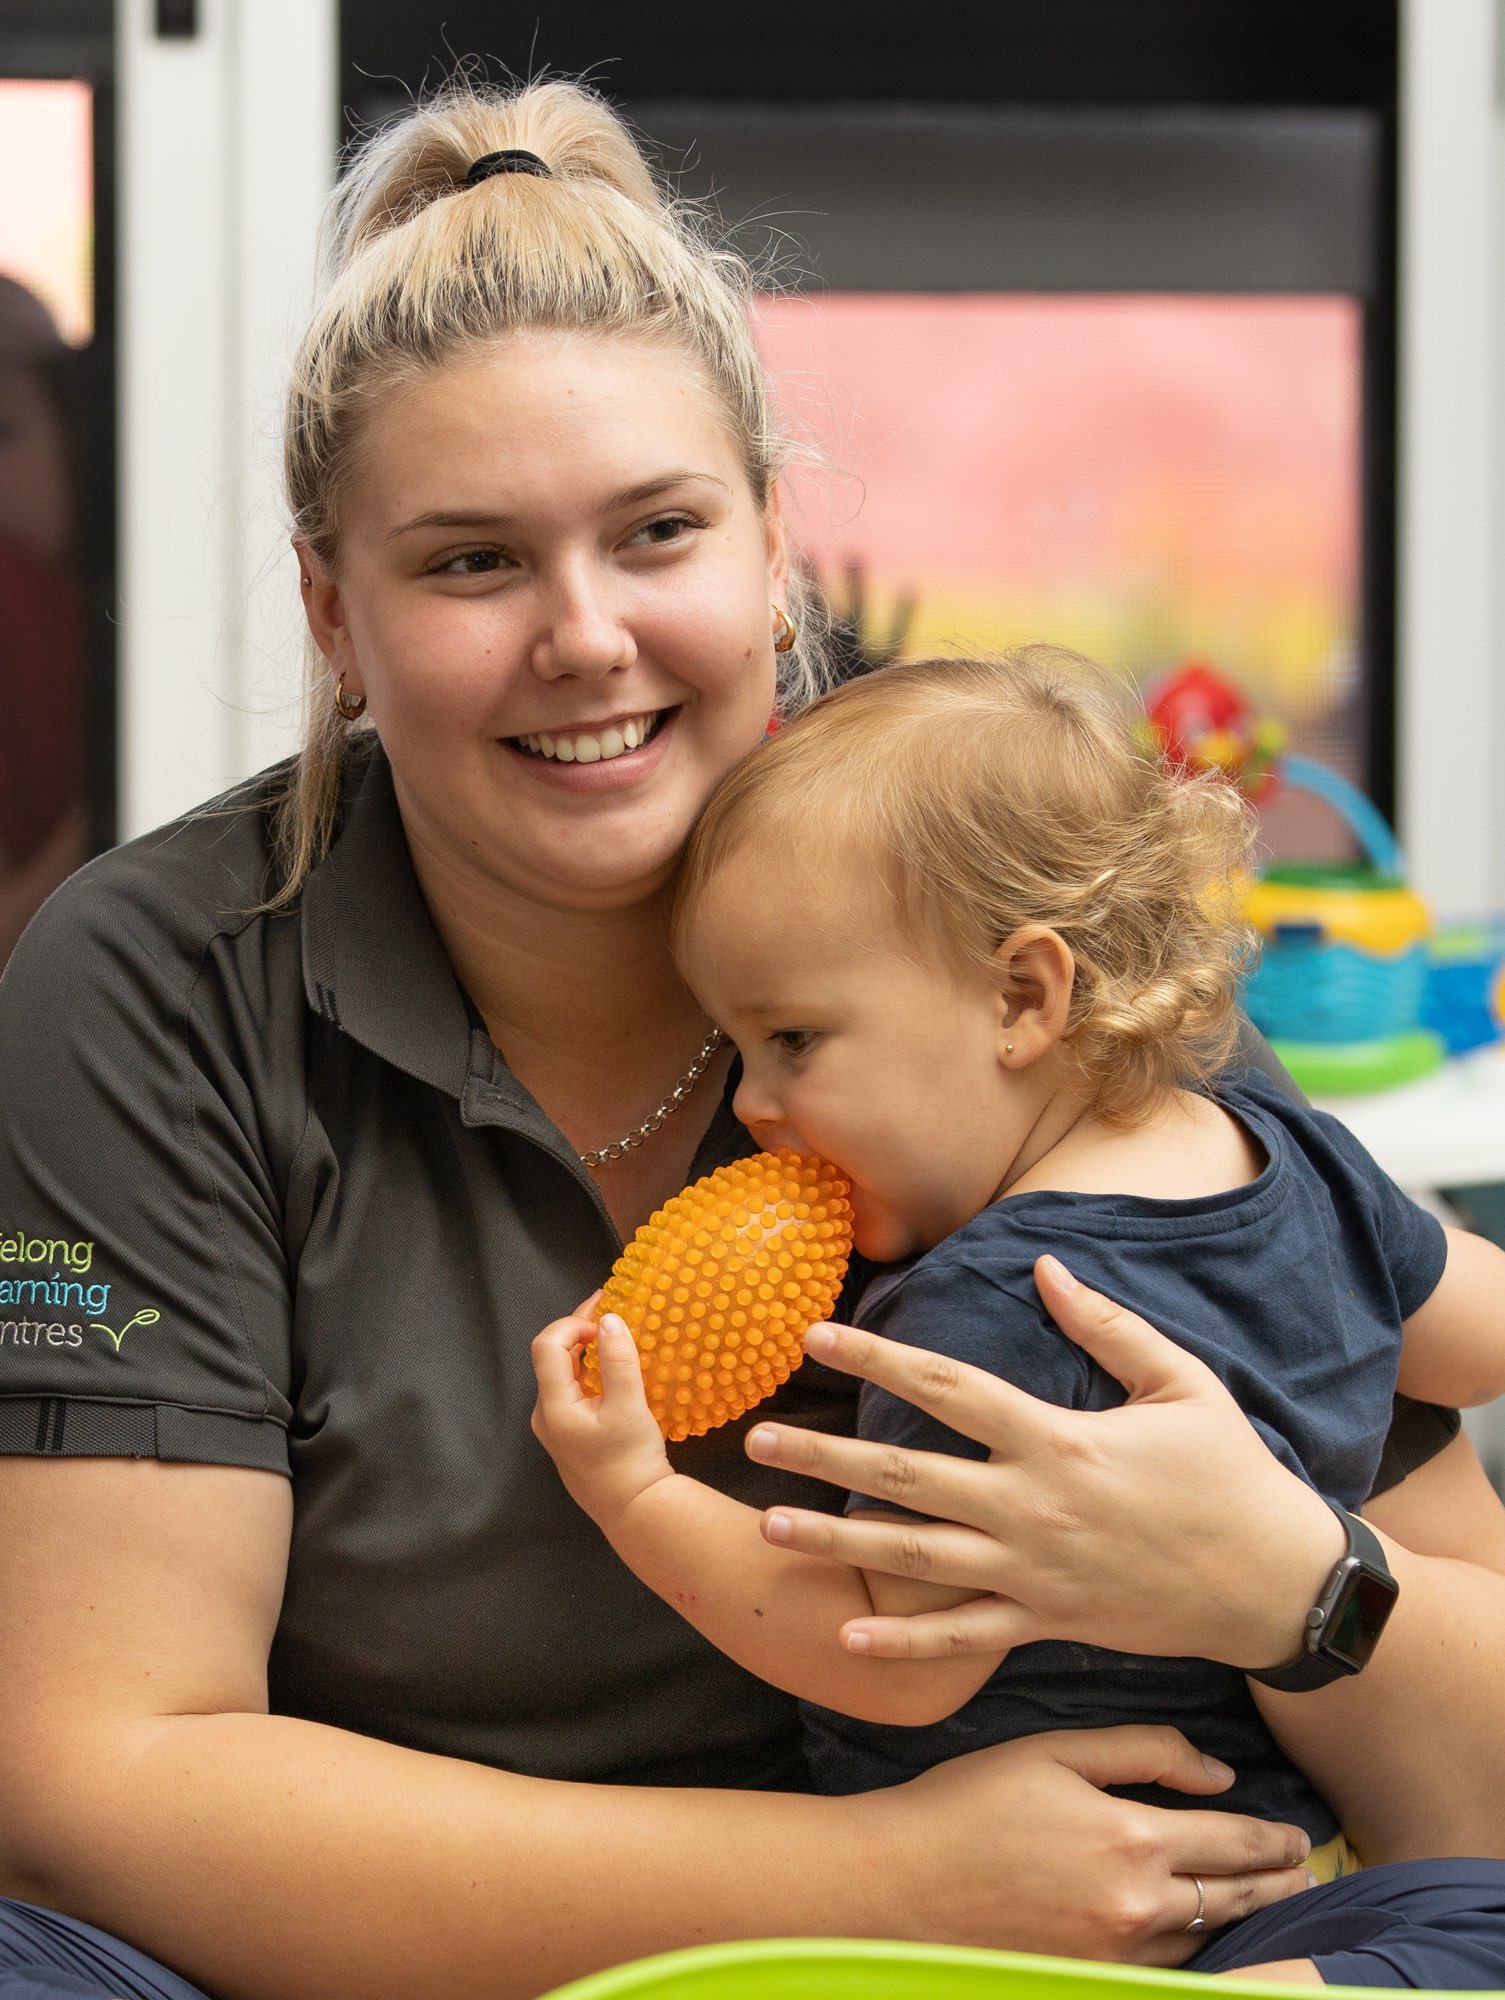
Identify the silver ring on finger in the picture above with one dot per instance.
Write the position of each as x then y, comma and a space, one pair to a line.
1199, 1921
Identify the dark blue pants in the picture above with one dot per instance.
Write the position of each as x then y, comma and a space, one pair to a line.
1438, 1924
43, 1956
1410, 1923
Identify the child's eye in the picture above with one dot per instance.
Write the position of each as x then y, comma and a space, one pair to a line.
659, 534
794, 1041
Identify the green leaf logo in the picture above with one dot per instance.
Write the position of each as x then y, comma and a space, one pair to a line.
147, 1317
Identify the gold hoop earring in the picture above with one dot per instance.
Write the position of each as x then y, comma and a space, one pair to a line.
785, 632
352, 707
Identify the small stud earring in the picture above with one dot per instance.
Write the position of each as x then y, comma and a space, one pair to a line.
307, 582
1008, 1048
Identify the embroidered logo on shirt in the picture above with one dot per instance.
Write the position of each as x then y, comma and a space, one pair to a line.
68, 1282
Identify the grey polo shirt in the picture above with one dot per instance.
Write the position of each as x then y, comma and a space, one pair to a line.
270, 1198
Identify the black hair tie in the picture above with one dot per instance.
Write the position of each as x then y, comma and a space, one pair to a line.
513, 161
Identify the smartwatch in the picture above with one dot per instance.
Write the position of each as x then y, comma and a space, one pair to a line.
1343, 1627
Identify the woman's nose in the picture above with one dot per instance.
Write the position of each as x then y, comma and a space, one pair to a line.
584, 632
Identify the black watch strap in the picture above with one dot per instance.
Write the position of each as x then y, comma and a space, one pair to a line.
1344, 1625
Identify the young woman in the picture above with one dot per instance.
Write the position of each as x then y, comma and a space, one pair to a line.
315, 1107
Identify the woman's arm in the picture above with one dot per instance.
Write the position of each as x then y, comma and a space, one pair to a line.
1412, 1751
777, 1614
145, 1788
1164, 1526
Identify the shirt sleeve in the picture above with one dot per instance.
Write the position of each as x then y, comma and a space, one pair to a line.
1412, 1241
973, 1310
144, 1291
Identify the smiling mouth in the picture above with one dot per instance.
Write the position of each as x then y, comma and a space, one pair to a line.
592, 746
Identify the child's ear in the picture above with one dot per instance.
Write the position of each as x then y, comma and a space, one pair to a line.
1033, 971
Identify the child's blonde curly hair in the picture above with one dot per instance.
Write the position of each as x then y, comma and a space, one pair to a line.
1002, 791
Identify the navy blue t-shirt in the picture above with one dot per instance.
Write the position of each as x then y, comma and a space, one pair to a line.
1291, 1288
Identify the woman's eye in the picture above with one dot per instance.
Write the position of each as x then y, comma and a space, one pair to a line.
661, 533
469, 562
794, 1041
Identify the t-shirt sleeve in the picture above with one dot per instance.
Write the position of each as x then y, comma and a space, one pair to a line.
984, 1312
1413, 1242
144, 1292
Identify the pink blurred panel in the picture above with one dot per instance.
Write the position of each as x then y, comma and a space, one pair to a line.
47, 217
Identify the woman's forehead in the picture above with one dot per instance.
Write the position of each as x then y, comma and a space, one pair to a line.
546, 410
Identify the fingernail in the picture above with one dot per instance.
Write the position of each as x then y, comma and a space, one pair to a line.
1219, 1771
778, 1528
1060, 1274
1306, 1847
819, 1339
1311, 1880
760, 1442
859, 1642
614, 1323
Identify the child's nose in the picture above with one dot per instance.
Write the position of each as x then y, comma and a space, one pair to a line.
759, 1110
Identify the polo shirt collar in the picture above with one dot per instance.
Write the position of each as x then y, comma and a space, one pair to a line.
372, 961
373, 966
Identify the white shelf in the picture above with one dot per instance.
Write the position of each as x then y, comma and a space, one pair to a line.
1446, 1131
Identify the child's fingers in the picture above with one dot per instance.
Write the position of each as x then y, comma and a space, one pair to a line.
587, 1307
617, 1353
554, 1352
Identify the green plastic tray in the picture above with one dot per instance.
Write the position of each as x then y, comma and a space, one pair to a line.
846, 1969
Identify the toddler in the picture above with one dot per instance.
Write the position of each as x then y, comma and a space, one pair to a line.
980, 951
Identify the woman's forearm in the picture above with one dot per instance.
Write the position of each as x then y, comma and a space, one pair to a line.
273, 1859
1411, 1752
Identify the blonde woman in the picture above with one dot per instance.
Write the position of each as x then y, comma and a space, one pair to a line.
315, 1107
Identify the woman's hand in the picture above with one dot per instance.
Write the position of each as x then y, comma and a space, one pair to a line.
607, 1448
1049, 1862
1164, 1526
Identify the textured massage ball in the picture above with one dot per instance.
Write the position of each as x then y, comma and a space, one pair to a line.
719, 1286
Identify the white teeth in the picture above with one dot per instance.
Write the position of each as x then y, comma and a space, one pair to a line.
586, 749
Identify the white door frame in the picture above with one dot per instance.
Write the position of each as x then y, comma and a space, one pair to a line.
227, 149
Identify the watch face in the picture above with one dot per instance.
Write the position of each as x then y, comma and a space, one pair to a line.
1358, 1617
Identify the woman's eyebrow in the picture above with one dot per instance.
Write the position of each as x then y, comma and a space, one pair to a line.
612, 503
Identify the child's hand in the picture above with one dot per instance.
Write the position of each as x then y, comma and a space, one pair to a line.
607, 1448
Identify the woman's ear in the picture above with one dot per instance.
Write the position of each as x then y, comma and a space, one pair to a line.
1033, 971
776, 542
320, 596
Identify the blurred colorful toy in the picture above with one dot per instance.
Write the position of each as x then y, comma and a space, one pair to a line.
1204, 723
721, 1284
1339, 986
1464, 997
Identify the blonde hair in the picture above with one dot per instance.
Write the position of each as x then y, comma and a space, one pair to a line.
992, 793
421, 268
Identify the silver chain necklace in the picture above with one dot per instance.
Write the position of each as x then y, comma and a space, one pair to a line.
605, 1154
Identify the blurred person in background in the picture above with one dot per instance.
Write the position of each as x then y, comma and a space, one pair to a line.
43, 810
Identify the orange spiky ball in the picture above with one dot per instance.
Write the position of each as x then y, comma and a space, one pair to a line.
720, 1285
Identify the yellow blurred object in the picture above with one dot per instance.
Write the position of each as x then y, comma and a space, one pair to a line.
1382, 921
720, 1285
